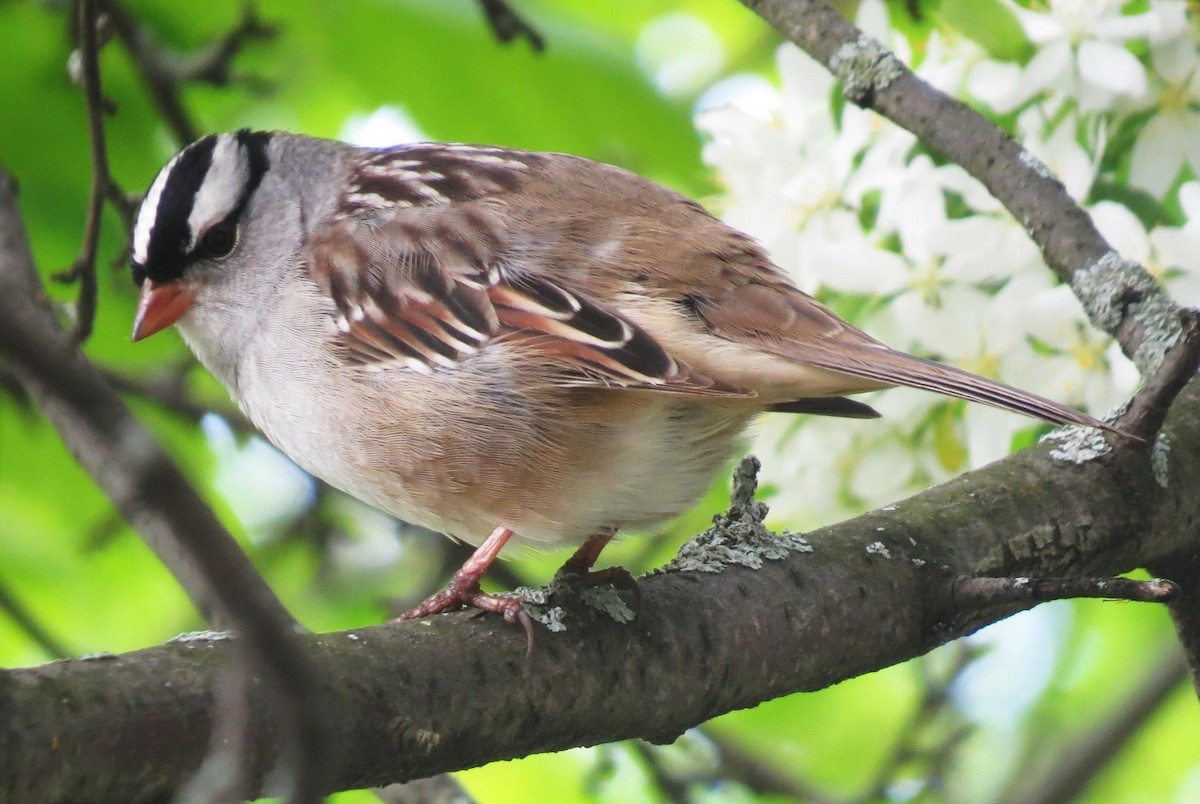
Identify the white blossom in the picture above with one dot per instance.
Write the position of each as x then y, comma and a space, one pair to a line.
1081, 54
858, 212
1171, 137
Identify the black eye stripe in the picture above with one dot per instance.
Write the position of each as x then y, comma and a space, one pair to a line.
167, 254
255, 145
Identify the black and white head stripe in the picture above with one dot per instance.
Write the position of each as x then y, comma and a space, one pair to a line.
206, 184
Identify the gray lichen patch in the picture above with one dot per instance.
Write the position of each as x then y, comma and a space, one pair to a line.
878, 549
202, 636
539, 605
608, 601
1077, 444
536, 603
1039, 167
738, 536
1113, 289
865, 67
1160, 460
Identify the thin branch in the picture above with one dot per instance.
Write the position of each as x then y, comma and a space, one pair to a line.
170, 393
507, 24
935, 696
1069, 773
739, 765
165, 73
24, 620
1149, 407
974, 593
83, 270
670, 785
212, 64
440, 789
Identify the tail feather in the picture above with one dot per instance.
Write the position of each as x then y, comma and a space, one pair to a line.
897, 368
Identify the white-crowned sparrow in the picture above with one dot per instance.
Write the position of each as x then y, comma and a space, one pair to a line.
490, 341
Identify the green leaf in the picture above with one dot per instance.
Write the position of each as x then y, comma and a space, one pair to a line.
991, 24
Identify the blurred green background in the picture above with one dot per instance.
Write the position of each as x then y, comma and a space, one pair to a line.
612, 85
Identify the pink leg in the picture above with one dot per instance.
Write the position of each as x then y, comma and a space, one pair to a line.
463, 590
579, 566
586, 556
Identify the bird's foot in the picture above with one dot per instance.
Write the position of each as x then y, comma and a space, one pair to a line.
463, 592
577, 573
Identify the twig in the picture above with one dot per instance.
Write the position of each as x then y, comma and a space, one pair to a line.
24, 619
672, 787
741, 766
12, 388
975, 593
1149, 407
1069, 774
171, 395
165, 73
907, 746
507, 24
440, 789
83, 270
211, 65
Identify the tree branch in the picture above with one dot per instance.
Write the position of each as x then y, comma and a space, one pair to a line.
154, 496
1184, 568
24, 619
164, 73
83, 270
981, 592
1071, 771
507, 24
872, 592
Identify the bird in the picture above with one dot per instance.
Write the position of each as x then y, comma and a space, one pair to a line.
496, 344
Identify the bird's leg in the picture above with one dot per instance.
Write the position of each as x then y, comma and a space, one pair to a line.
577, 571
463, 590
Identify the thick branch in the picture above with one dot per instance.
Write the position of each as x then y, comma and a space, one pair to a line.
872, 592
1184, 568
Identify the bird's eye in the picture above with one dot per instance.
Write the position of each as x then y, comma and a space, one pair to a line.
219, 241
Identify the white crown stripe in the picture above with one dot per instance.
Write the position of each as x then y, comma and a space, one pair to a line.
148, 212
222, 187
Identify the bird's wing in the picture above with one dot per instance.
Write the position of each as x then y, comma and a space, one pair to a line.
424, 289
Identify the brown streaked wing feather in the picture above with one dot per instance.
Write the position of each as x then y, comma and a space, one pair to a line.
420, 288
780, 319
604, 345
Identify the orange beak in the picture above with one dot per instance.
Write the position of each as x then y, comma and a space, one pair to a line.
160, 306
